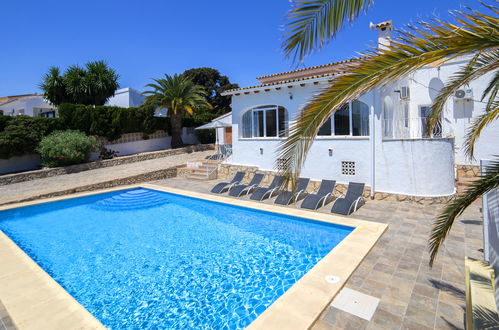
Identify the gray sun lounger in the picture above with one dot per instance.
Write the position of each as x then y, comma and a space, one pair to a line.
268, 192
352, 201
323, 196
287, 197
222, 187
243, 189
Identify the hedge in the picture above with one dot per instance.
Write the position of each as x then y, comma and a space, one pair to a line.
110, 122
21, 135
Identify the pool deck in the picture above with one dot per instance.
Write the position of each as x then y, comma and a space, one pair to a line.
412, 296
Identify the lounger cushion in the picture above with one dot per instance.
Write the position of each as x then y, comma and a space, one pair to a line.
259, 193
342, 206
237, 190
284, 198
219, 187
311, 202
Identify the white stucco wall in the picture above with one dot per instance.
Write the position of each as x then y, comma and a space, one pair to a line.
419, 167
126, 98
20, 163
29, 106
458, 115
401, 166
227, 119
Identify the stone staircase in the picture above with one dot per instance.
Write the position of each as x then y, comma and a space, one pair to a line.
201, 170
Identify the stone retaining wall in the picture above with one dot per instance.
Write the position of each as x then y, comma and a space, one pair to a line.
468, 171
49, 172
130, 137
170, 172
227, 171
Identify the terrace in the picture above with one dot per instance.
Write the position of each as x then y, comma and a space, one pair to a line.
411, 295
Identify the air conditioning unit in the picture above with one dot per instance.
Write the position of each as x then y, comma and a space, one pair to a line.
464, 94
404, 93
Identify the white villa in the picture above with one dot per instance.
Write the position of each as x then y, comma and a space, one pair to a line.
126, 98
378, 139
34, 105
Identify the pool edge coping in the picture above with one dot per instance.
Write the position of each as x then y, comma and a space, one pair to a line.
298, 308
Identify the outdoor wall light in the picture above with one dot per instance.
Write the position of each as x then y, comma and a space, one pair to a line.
330, 150
290, 95
261, 151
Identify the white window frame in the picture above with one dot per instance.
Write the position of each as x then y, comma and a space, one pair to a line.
350, 123
264, 109
433, 135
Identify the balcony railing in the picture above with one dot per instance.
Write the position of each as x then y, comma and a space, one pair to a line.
409, 128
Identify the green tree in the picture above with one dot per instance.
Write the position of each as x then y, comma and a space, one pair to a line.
214, 84
177, 94
313, 23
92, 85
53, 86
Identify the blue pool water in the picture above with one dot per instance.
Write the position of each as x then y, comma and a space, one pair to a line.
142, 258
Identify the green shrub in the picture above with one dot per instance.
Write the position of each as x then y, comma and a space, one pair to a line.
21, 135
109, 121
63, 148
205, 136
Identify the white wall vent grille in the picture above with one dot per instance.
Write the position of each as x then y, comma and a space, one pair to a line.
280, 164
347, 168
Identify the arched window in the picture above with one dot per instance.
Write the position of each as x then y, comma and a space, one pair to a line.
352, 119
265, 121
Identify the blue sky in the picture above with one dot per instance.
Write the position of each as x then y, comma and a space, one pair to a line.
145, 39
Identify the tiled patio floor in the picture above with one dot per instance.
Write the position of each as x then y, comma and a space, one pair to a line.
5, 320
412, 296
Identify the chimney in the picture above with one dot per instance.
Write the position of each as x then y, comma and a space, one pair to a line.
384, 33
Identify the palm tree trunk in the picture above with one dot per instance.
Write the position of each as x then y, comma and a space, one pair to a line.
176, 129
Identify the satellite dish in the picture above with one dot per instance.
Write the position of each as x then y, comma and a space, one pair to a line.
434, 88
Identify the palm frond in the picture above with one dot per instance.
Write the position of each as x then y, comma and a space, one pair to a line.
491, 91
444, 222
431, 42
312, 23
479, 124
479, 65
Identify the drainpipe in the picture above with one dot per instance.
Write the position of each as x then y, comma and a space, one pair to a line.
373, 146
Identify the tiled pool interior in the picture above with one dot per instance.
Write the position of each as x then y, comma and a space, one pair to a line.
143, 258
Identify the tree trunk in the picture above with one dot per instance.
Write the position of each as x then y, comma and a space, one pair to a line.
176, 129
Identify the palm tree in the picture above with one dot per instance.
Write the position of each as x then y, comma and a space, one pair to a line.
102, 81
53, 86
313, 23
92, 85
177, 94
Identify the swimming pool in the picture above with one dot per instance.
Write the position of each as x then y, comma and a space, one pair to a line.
142, 258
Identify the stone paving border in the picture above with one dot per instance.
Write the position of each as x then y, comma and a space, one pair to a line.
49, 172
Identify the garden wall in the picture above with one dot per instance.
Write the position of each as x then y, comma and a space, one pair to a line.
127, 144
20, 163
49, 172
